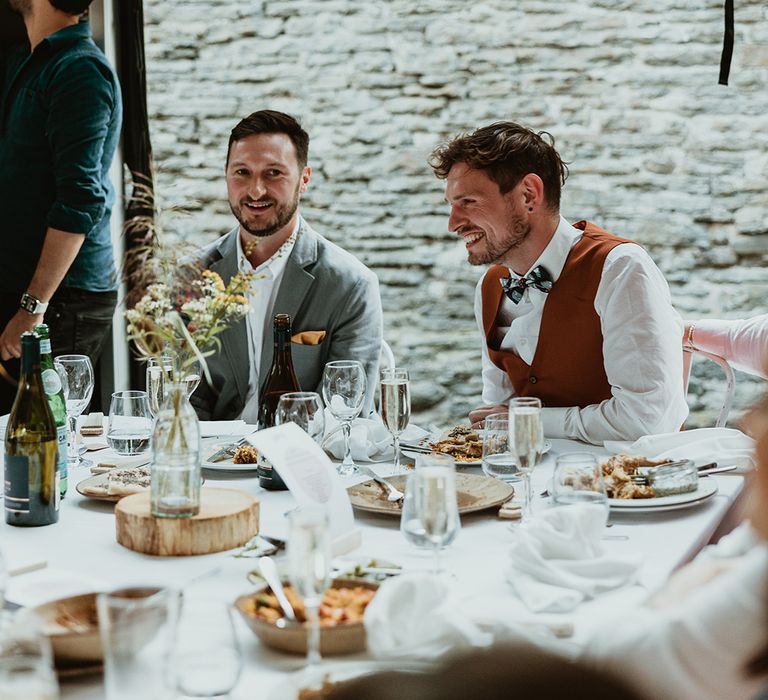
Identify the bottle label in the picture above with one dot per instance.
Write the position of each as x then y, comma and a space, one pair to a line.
17, 483
61, 438
45, 346
57, 491
51, 382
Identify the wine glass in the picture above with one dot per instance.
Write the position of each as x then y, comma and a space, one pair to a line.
159, 372
344, 386
395, 405
578, 478
305, 409
526, 441
129, 428
309, 557
76, 372
431, 515
205, 659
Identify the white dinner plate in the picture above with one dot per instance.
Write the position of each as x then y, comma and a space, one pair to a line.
475, 463
707, 489
225, 465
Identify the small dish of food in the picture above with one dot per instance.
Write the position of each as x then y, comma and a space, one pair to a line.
341, 617
240, 456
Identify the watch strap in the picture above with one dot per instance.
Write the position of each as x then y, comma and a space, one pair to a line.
32, 304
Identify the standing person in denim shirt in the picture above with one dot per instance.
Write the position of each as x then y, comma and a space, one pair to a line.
60, 117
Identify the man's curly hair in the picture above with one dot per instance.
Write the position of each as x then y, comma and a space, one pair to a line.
507, 152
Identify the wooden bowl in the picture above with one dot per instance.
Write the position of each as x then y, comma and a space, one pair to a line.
344, 638
71, 625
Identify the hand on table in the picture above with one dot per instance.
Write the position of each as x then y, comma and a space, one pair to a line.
477, 416
10, 340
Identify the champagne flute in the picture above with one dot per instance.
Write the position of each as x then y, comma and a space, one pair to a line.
159, 372
434, 511
395, 405
305, 409
309, 563
76, 372
191, 375
526, 441
344, 386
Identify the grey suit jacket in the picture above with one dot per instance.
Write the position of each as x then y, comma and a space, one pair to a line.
323, 288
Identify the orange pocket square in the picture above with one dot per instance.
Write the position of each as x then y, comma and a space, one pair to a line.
309, 337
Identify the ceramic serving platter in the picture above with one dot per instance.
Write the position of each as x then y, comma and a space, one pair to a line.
475, 492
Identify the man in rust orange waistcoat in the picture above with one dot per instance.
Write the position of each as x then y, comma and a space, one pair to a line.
569, 313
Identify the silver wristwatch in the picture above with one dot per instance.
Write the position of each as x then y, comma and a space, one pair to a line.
32, 304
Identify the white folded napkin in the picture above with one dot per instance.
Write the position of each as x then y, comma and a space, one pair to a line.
557, 559
370, 440
222, 428
417, 615
114, 461
724, 445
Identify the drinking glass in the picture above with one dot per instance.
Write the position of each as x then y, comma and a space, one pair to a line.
3, 584
206, 660
578, 478
430, 510
498, 461
305, 409
136, 627
344, 386
159, 373
129, 428
395, 405
190, 376
26, 661
76, 372
309, 557
526, 441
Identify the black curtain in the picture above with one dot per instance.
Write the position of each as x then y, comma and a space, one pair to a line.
137, 148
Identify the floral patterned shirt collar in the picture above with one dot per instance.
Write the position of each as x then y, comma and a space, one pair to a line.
275, 264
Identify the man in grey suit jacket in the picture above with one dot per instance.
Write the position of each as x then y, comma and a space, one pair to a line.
297, 272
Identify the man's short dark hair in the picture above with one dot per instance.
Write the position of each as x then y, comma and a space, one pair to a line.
507, 152
268, 121
71, 7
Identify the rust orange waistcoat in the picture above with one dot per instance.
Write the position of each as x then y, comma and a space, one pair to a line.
568, 367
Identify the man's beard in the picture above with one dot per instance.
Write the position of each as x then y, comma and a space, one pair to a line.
283, 212
21, 7
496, 251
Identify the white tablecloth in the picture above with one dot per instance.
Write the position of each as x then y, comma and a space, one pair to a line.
83, 545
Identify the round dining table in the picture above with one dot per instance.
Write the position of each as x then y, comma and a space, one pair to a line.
80, 554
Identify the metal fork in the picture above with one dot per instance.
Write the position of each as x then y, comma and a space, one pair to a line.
226, 451
393, 495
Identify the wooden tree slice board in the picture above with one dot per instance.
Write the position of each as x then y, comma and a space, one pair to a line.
227, 519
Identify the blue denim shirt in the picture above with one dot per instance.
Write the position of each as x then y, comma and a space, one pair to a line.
60, 118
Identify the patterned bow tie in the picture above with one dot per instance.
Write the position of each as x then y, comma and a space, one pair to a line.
538, 278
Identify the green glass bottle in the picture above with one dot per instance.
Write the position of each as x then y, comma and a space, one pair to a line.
55, 393
31, 449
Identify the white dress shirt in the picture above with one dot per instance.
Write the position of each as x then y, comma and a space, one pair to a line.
261, 300
642, 348
698, 648
744, 343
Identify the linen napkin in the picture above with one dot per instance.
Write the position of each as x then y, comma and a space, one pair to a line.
113, 461
557, 560
222, 428
417, 615
725, 445
369, 438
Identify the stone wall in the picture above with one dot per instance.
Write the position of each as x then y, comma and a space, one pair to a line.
659, 151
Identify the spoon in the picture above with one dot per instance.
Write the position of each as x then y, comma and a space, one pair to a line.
269, 572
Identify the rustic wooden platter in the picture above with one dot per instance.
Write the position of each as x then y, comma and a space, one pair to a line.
474, 492
227, 519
